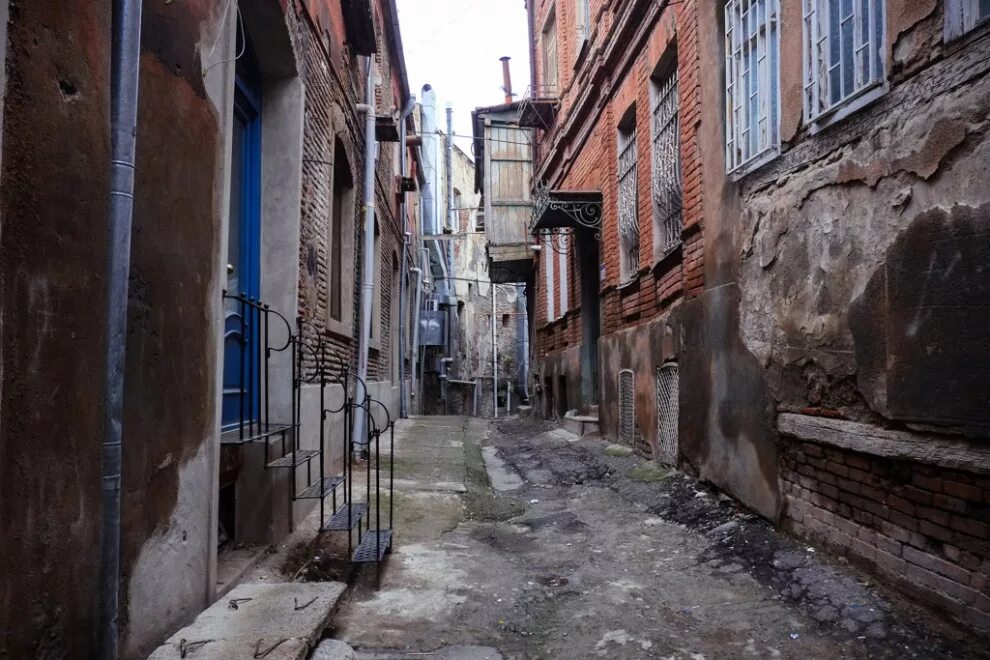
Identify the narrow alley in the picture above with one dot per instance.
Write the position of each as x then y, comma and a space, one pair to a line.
494, 329
520, 540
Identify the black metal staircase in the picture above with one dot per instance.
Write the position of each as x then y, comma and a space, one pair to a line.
311, 364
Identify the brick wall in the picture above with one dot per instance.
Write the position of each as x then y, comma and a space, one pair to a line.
334, 80
581, 153
923, 528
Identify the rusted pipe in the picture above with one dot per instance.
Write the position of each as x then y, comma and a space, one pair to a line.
506, 79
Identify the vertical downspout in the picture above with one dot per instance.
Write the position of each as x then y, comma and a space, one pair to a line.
494, 356
424, 258
522, 343
406, 234
125, 63
418, 272
368, 246
451, 285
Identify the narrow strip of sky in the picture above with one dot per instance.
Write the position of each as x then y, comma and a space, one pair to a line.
455, 46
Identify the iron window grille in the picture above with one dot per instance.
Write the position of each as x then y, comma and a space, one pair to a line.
627, 409
667, 197
843, 52
961, 16
628, 212
752, 81
668, 402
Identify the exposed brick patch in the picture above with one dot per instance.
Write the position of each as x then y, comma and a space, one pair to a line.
925, 529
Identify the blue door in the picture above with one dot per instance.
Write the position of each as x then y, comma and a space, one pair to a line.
243, 247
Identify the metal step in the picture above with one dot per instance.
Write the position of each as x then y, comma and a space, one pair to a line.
338, 521
314, 492
373, 546
292, 459
257, 431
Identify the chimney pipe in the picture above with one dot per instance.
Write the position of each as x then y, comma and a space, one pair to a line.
506, 79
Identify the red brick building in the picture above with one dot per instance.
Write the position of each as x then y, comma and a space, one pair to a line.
781, 295
617, 69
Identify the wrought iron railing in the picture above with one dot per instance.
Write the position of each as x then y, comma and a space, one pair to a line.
266, 355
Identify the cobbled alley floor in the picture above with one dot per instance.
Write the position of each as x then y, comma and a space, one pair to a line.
519, 540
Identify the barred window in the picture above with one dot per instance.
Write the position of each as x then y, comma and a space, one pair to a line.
666, 174
961, 16
628, 211
843, 52
752, 81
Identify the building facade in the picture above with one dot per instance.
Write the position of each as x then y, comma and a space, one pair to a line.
251, 146
782, 207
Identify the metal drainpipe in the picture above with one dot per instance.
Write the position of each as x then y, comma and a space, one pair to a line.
415, 338
451, 269
358, 438
403, 404
126, 58
522, 342
494, 356
424, 258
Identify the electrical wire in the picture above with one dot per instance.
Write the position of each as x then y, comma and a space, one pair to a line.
240, 27
487, 139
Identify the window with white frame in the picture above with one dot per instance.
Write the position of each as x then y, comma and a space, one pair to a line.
548, 271
551, 71
628, 198
583, 20
843, 52
666, 166
752, 81
562, 268
961, 16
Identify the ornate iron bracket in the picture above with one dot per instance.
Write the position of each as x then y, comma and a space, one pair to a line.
561, 240
586, 214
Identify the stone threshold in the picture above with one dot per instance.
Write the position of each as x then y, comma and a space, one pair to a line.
930, 449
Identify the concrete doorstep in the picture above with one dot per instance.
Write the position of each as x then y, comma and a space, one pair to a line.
272, 621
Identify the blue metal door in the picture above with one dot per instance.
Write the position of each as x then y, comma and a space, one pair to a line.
243, 247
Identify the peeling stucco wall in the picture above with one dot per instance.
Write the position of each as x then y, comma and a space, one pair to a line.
862, 273
170, 419
54, 191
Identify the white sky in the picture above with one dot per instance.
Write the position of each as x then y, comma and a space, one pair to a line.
454, 45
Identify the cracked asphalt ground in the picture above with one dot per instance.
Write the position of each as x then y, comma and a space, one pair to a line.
561, 550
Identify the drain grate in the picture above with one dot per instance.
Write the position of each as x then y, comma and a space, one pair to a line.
667, 407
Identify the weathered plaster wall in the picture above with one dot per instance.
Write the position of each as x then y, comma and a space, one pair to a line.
726, 434
863, 265
547, 374
173, 321
644, 349
863, 292
54, 188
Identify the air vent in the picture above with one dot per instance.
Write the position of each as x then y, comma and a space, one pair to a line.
667, 407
